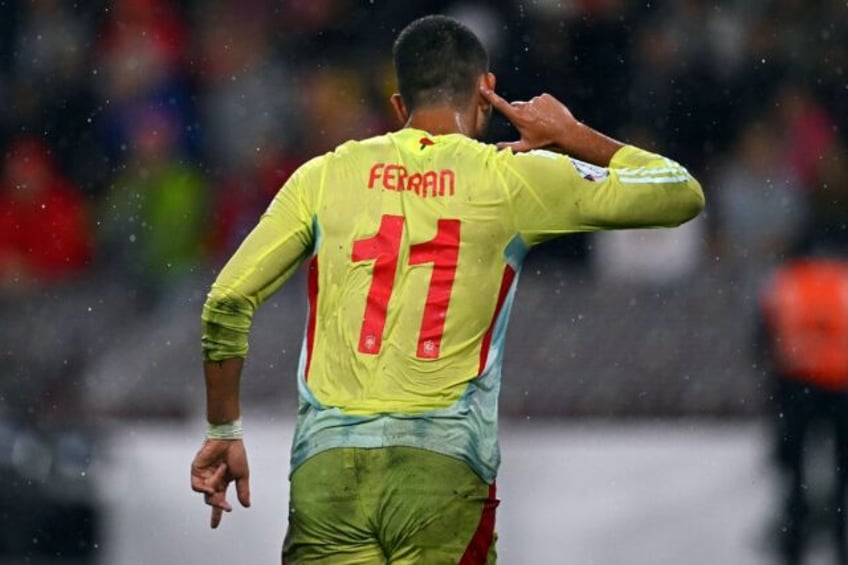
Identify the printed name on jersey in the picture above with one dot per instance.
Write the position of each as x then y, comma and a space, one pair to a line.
588, 171
396, 178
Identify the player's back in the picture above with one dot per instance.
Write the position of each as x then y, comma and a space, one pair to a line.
416, 253
414, 243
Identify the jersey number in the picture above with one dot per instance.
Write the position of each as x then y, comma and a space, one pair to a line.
383, 248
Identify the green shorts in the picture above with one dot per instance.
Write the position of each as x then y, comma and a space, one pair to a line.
398, 505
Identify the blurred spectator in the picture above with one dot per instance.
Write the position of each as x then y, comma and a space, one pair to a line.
140, 65
569, 43
805, 345
808, 131
247, 105
242, 197
658, 65
50, 89
760, 207
51, 43
334, 108
829, 62
44, 233
316, 16
830, 197
253, 136
142, 47
152, 220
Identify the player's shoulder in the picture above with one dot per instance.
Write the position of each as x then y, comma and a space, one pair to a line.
307, 170
543, 164
357, 147
347, 150
348, 154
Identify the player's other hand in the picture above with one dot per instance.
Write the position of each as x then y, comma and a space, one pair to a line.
218, 463
544, 121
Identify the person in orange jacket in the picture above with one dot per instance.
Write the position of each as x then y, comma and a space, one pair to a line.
805, 339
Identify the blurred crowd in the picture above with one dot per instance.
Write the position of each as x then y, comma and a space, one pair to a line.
141, 139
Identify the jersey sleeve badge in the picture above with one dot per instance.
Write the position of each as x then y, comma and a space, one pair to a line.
588, 171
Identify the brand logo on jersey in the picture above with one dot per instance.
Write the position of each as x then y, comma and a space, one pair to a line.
589, 171
399, 179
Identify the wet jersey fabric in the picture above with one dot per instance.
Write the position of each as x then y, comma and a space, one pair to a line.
413, 245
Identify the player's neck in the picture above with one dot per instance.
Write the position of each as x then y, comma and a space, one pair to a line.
442, 120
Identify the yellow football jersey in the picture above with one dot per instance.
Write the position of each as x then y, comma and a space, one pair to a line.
414, 243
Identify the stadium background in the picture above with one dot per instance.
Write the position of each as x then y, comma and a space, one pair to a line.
142, 138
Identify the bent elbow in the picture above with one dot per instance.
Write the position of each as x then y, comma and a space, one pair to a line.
226, 321
690, 203
695, 201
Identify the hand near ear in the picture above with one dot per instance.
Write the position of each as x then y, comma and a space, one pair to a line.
541, 122
545, 122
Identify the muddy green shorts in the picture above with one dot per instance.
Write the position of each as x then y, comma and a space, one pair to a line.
398, 505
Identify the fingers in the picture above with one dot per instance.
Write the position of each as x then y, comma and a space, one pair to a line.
217, 514
520, 146
497, 102
513, 112
213, 485
243, 491
200, 470
218, 500
219, 476
199, 484
212, 474
219, 504
201, 480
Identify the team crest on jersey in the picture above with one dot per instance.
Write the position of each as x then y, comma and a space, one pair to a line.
588, 171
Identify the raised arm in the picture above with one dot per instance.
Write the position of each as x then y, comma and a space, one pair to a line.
591, 181
546, 123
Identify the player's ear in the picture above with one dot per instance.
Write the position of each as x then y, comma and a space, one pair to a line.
488, 80
483, 106
400, 108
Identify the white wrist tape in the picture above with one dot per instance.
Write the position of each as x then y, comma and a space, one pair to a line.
233, 430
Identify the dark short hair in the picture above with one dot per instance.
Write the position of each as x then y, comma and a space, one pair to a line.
437, 61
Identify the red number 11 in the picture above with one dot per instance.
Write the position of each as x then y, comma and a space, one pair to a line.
383, 248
